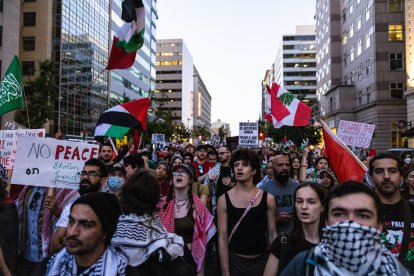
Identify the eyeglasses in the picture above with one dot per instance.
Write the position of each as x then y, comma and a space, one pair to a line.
35, 197
180, 174
90, 174
223, 152
119, 175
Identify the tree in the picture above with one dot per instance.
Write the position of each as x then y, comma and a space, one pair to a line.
40, 96
221, 133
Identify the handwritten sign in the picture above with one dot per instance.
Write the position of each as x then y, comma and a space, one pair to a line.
355, 134
8, 143
248, 134
51, 163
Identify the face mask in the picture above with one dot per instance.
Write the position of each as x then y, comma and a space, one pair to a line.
407, 160
114, 182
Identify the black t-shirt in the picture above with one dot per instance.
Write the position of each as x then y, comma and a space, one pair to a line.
221, 188
393, 229
287, 250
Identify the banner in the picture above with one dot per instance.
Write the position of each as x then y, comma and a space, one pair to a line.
248, 134
355, 134
8, 143
50, 162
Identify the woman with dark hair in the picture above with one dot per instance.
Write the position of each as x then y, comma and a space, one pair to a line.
294, 167
188, 158
184, 214
306, 232
140, 231
327, 180
408, 191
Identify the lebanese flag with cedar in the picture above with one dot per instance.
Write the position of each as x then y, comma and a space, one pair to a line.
344, 163
285, 109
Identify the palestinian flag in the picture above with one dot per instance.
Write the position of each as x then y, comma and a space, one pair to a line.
129, 38
118, 120
285, 109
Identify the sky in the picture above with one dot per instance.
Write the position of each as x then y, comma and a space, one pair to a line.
232, 43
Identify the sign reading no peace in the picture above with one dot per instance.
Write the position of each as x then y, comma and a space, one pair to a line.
51, 163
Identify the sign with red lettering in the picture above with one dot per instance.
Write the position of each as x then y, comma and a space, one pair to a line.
355, 134
8, 143
50, 162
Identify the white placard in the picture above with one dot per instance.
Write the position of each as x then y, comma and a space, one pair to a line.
355, 134
248, 134
50, 162
8, 143
157, 138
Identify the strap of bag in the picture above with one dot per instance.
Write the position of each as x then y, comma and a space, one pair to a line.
310, 263
407, 231
245, 213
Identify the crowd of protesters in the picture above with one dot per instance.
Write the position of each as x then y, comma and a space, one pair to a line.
212, 210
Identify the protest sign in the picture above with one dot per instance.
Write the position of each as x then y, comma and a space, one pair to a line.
50, 162
355, 134
248, 134
8, 142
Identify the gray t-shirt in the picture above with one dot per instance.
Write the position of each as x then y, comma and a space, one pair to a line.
283, 194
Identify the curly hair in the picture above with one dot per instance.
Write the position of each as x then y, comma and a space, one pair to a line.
248, 155
140, 194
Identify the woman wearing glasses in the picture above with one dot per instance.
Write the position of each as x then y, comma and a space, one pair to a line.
183, 213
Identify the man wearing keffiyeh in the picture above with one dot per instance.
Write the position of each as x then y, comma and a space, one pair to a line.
351, 242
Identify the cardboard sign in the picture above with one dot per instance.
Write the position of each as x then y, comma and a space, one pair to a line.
355, 134
8, 143
51, 163
248, 134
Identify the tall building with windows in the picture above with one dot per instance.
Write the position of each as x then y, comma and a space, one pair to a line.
295, 64
201, 104
139, 80
215, 126
74, 34
179, 86
360, 65
409, 57
9, 38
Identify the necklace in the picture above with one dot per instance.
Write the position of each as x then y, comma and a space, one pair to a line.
180, 205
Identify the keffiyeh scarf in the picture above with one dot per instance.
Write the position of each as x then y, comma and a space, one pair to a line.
349, 248
204, 227
112, 262
140, 236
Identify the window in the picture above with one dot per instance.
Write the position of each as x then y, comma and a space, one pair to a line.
396, 61
366, 13
368, 67
29, 19
395, 32
367, 41
359, 46
359, 72
359, 22
352, 53
394, 5
29, 43
351, 30
396, 90
28, 68
351, 6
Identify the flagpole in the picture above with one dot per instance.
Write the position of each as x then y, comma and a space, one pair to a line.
27, 110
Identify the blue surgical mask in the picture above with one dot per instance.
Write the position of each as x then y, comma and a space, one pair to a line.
114, 182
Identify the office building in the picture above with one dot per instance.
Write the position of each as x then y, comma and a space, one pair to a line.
201, 104
360, 66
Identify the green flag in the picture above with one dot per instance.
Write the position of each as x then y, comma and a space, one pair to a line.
11, 88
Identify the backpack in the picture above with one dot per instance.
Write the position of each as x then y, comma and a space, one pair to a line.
309, 263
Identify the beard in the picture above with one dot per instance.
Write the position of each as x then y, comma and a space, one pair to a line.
389, 190
281, 176
91, 188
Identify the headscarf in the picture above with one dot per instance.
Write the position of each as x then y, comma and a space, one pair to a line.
349, 248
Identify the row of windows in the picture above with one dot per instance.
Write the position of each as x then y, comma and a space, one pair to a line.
300, 47
300, 65
299, 74
299, 38
167, 90
169, 81
169, 72
303, 83
301, 56
169, 63
169, 45
168, 54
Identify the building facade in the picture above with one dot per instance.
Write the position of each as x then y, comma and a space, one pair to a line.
215, 126
201, 104
138, 80
360, 66
409, 57
295, 64
180, 88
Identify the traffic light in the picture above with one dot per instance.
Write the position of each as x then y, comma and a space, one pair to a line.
261, 136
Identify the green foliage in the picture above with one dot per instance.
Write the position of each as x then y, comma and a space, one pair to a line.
221, 133
40, 96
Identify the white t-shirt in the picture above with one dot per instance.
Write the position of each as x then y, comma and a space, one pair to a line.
64, 217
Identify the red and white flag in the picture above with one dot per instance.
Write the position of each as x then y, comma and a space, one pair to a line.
344, 163
285, 109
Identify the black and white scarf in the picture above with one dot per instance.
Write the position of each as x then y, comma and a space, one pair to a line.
112, 262
349, 248
140, 236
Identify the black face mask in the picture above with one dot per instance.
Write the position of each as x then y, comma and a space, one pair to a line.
281, 176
